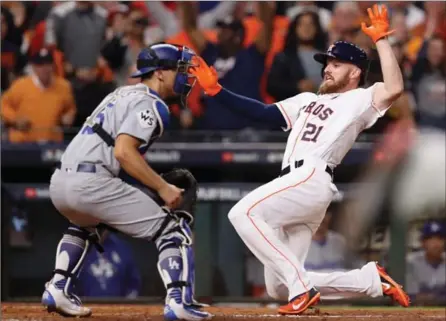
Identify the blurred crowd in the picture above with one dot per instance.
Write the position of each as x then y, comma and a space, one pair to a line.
60, 58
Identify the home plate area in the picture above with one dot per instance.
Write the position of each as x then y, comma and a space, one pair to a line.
35, 312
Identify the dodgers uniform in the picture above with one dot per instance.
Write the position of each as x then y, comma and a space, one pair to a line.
86, 199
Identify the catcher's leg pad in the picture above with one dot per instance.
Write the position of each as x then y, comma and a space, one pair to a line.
176, 268
70, 255
175, 263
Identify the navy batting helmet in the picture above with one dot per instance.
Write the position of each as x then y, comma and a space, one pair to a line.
167, 56
348, 52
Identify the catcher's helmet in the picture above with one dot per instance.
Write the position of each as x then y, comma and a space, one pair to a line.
348, 52
167, 56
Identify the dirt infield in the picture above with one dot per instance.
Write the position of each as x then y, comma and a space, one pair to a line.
35, 312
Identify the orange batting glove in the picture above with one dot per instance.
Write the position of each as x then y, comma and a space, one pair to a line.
207, 76
380, 23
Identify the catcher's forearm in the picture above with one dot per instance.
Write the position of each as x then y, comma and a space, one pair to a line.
393, 78
136, 166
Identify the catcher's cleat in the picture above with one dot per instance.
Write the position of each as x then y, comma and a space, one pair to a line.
55, 300
301, 303
392, 289
175, 310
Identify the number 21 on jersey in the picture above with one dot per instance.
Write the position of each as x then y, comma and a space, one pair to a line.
312, 131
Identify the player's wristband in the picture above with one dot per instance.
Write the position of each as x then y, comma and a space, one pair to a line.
212, 91
377, 37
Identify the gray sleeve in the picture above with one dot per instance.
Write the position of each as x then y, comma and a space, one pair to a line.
165, 18
51, 30
412, 284
140, 122
208, 19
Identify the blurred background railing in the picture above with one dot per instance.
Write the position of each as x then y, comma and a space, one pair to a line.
59, 60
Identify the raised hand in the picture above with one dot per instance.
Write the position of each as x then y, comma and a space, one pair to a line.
206, 76
380, 23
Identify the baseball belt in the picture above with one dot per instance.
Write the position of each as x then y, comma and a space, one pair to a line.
298, 164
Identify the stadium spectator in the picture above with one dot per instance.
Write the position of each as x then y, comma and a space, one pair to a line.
12, 60
435, 19
294, 70
327, 250
14, 21
429, 83
35, 106
414, 15
426, 269
363, 6
124, 40
240, 69
345, 22
209, 12
90, 86
77, 28
303, 6
410, 45
112, 273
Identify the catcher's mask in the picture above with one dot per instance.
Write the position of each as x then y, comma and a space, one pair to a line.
164, 57
348, 52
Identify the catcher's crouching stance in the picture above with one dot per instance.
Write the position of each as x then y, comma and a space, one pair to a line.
87, 189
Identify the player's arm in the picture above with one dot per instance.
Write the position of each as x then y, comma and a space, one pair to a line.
9, 103
127, 153
188, 16
8, 106
265, 35
392, 88
385, 93
254, 109
136, 130
163, 17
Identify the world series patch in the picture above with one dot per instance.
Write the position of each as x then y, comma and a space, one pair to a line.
146, 118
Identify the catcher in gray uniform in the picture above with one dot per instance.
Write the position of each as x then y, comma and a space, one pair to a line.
87, 189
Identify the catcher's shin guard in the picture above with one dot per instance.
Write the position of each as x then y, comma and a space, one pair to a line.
175, 265
70, 254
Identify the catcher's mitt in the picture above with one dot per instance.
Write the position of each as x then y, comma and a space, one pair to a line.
183, 178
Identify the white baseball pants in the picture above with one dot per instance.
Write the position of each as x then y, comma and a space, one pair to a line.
276, 222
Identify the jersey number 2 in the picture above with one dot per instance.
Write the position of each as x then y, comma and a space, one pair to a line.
99, 115
311, 133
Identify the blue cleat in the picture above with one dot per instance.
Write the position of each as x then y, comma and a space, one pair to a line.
176, 310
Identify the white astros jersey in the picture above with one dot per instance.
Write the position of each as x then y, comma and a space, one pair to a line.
326, 126
134, 110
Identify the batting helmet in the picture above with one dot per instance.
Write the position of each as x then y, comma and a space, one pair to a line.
164, 57
348, 52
